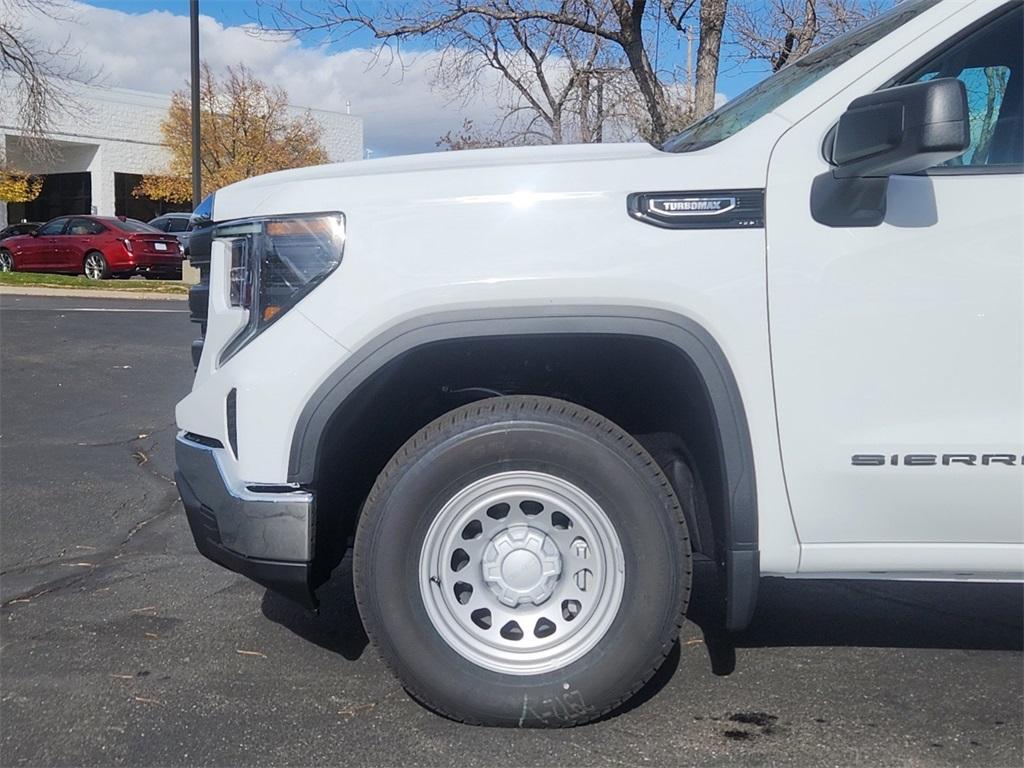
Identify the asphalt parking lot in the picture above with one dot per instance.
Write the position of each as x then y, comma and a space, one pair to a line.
119, 644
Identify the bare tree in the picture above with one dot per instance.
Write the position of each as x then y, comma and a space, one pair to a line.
624, 29
34, 73
781, 31
471, 137
553, 80
521, 54
712, 22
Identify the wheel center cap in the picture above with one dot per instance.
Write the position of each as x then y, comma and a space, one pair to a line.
521, 565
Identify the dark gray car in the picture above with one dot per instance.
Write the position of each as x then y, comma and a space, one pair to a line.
21, 228
176, 224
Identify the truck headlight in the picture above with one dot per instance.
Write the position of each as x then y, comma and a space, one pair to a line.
275, 261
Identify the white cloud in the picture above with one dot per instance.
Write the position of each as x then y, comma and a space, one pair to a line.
150, 52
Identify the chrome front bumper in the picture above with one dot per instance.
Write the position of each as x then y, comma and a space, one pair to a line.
267, 536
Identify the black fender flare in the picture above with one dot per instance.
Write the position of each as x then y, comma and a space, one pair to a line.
742, 569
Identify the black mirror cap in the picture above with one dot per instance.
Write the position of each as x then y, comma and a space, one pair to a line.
905, 129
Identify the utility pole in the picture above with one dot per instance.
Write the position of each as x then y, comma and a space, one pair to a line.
197, 181
689, 64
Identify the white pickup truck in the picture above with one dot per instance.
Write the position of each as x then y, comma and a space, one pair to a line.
534, 389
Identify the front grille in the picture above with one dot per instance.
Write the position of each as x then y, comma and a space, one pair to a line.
197, 350
199, 248
199, 300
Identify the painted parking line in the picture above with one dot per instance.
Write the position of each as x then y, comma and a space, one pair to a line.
88, 309
114, 309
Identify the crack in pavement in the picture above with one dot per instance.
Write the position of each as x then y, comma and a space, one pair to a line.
104, 559
141, 435
43, 561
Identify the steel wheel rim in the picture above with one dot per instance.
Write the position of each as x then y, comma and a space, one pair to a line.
5, 262
93, 267
557, 558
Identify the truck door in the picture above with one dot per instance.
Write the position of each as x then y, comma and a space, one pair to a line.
898, 349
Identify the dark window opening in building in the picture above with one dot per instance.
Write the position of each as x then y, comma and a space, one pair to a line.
62, 194
141, 208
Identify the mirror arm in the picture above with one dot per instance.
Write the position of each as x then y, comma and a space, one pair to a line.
855, 202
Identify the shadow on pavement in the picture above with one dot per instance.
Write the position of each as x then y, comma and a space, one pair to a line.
790, 613
865, 614
879, 614
336, 628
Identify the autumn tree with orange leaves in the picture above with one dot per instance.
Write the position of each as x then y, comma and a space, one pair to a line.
247, 129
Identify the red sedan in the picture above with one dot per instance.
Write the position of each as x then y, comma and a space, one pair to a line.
98, 246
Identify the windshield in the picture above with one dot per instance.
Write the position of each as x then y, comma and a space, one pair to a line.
764, 97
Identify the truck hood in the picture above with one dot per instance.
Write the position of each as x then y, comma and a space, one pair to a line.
441, 161
413, 175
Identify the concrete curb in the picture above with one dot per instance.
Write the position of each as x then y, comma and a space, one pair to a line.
79, 293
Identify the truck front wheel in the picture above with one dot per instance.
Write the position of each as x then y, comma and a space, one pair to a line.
522, 561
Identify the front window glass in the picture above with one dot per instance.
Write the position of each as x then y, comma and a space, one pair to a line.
53, 227
990, 64
769, 94
85, 227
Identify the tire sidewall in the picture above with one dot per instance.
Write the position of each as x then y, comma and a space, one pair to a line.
655, 555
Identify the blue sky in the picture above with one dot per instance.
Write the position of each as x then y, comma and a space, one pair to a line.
733, 79
401, 111
230, 12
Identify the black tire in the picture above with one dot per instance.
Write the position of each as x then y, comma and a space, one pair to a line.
103, 271
6, 260
533, 434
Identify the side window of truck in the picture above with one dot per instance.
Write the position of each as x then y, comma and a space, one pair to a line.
989, 62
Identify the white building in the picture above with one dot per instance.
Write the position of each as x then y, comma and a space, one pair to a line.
106, 144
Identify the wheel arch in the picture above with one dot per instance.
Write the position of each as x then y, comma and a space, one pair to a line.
369, 366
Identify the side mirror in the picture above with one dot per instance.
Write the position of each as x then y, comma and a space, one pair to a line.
905, 129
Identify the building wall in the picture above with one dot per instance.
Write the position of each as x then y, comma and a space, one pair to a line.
342, 135
113, 130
